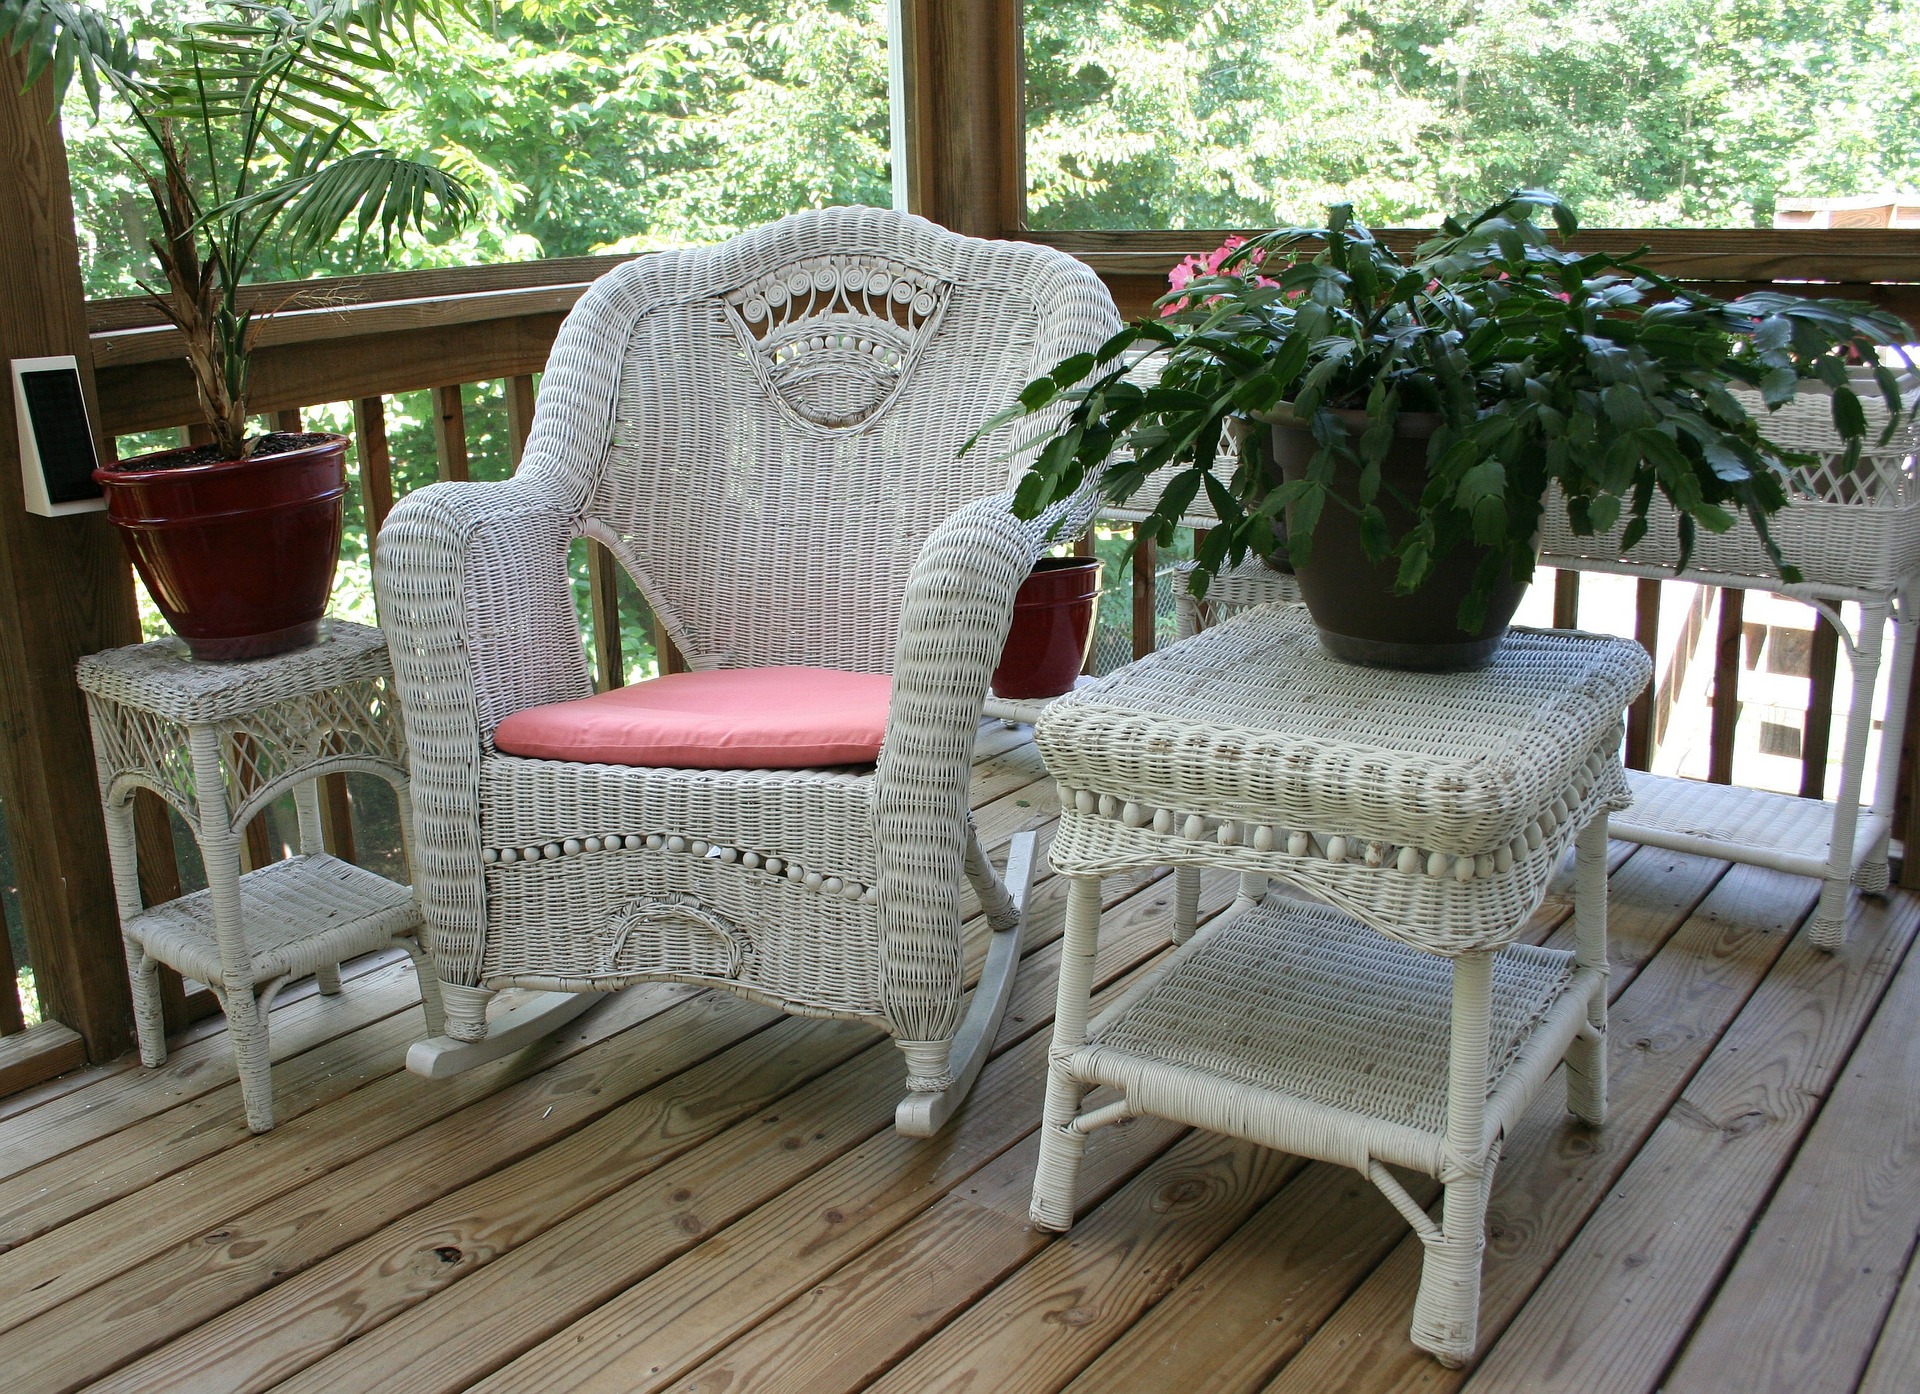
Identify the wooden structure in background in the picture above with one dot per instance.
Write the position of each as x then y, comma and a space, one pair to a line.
64, 587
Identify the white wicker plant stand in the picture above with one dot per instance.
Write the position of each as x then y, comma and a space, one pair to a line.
219, 742
1855, 538
1397, 1025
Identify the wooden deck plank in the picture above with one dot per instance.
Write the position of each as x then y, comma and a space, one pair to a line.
1895, 1366
188, 1037
1624, 1295
68, 1261
377, 1279
437, 1243
200, 1067
1257, 1299
38, 1053
93, 1191
1060, 1303
606, 1254
1555, 1170
1806, 1298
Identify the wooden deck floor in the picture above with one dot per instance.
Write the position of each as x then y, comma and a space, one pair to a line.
688, 1192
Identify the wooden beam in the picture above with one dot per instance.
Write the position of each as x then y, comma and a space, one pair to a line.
1817, 734
1566, 600
12, 1011
1646, 629
150, 396
1726, 684
383, 289
520, 402
966, 138
38, 1053
449, 432
65, 591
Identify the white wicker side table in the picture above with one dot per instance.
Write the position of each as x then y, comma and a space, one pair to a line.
219, 742
1398, 1024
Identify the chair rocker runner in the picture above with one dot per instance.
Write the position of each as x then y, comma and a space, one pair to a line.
765, 434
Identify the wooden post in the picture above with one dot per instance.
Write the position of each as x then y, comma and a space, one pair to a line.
1566, 600
12, 1017
966, 142
288, 419
65, 591
1144, 611
1817, 734
1726, 684
449, 432
519, 415
1646, 629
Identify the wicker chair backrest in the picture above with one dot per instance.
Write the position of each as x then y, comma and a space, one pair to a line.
788, 417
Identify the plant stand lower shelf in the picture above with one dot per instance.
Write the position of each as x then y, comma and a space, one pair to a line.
299, 916
1755, 826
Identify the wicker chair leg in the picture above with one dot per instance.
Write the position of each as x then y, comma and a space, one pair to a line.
1874, 875
327, 977
427, 974
1830, 917
922, 1114
1057, 1177
149, 1022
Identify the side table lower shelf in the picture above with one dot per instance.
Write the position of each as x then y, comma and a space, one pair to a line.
1296, 1026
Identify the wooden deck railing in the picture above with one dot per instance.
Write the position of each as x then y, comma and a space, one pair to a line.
359, 340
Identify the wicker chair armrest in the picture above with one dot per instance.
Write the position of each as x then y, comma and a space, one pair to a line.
478, 613
957, 610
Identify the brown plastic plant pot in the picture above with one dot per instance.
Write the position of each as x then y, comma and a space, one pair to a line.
238, 554
1052, 629
1351, 598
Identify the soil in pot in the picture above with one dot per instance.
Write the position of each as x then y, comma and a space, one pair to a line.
1052, 629
1351, 598
238, 554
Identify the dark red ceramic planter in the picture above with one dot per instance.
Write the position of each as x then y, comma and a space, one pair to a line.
238, 554
1052, 629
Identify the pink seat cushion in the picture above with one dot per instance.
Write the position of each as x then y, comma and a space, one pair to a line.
731, 719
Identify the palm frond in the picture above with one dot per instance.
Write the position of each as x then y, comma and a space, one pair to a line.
373, 189
72, 39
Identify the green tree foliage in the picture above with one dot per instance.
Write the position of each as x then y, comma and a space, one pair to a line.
1252, 113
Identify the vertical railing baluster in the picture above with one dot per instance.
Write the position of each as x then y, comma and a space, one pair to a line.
519, 415
1817, 734
603, 603
449, 432
1646, 629
288, 419
376, 462
1726, 684
1566, 600
1143, 590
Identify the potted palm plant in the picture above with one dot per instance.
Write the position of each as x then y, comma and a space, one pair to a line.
1418, 410
251, 133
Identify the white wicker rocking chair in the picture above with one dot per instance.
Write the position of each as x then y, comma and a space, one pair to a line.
765, 434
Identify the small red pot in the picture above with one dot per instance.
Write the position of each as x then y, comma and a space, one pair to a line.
1052, 629
238, 554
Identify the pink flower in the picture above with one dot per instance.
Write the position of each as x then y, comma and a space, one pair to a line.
1210, 265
